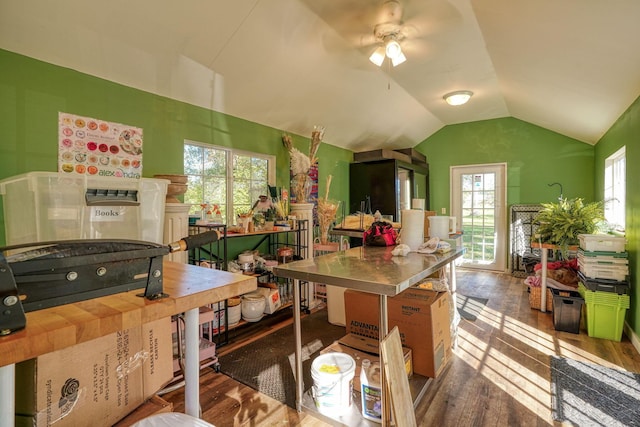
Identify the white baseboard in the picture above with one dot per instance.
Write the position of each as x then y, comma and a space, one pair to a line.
635, 339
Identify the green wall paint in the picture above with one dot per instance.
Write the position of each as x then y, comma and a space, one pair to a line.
535, 157
33, 92
625, 133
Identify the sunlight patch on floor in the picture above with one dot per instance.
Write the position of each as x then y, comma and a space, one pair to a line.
529, 388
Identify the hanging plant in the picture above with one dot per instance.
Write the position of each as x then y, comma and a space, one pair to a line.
561, 223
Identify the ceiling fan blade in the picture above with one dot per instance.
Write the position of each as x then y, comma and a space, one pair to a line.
391, 11
427, 17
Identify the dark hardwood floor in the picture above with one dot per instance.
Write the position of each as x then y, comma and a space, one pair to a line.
499, 374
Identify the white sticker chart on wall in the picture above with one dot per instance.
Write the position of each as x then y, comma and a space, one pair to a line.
88, 146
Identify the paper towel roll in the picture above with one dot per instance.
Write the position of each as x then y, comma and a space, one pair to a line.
412, 221
417, 204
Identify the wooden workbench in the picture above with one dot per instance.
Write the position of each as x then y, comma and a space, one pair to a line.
188, 287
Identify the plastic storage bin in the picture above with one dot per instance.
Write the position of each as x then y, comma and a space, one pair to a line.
605, 313
604, 271
601, 242
604, 257
50, 206
567, 310
605, 285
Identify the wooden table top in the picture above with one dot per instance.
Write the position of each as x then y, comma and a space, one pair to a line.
59, 327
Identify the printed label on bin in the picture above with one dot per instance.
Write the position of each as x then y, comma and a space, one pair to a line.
109, 213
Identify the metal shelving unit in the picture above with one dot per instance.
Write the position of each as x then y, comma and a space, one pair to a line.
215, 255
522, 230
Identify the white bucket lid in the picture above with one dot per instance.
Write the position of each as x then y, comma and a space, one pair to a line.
333, 364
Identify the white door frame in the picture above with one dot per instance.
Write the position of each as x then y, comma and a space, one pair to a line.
500, 219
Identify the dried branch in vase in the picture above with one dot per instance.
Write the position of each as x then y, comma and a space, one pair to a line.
301, 163
327, 211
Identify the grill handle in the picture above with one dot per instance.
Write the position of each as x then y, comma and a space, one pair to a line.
196, 240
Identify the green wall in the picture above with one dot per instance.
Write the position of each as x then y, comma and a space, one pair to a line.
625, 133
535, 157
33, 92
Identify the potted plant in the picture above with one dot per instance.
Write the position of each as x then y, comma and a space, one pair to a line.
561, 223
270, 218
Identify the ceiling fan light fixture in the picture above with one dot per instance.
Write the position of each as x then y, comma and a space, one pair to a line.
392, 48
399, 59
458, 97
377, 57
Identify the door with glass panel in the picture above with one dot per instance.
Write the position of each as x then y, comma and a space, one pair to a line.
478, 201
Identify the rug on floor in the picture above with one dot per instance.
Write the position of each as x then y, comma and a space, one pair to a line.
470, 307
586, 394
266, 364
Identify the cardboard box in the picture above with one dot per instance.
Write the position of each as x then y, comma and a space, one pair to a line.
272, 298
100, 380
369, 156
361, 348
413, 154
422, 316
152, 406
427, 214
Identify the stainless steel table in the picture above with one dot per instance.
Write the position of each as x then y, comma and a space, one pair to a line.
369, 269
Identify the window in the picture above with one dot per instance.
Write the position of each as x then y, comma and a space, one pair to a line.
231, 179
615, 183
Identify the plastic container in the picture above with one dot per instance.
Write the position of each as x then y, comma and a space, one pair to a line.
605, 313
604, 257
604, 285
567, 310
604, 271
253, 305
332, 375
234, 311
601, 242
440, 226
51, 206
371, 391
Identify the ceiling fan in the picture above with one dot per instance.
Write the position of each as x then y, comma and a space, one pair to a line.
388, 33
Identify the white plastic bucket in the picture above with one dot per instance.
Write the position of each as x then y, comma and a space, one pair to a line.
440, 226
332, 375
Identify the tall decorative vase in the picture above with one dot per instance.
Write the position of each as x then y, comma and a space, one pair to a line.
301, 185
327, 211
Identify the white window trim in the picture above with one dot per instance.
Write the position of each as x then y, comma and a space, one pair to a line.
271, 172
610, 188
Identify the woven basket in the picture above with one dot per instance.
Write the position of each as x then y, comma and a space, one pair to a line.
534, 298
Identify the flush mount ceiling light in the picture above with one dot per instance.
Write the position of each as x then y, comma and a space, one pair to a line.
458, 97
391, 50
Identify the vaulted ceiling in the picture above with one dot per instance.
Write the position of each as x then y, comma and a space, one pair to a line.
571, 66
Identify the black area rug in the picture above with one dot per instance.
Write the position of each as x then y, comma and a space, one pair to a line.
266, 364
586, 394
470, 307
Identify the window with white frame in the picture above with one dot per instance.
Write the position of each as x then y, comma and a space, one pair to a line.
615, 189
230, 179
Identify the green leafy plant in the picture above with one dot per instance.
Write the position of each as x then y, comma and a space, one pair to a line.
270, 214
561, 223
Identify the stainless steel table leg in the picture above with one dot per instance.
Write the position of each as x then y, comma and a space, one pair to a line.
298, 336
382, 333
